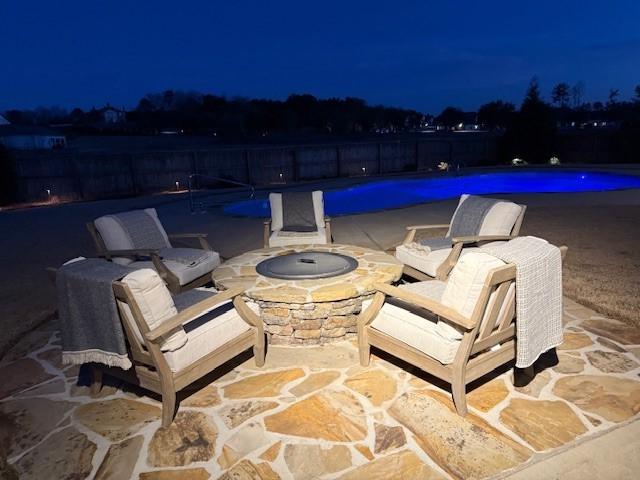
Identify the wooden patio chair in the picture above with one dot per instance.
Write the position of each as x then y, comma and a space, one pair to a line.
457, 330
171, 350
502, 222
137, 250
276, 234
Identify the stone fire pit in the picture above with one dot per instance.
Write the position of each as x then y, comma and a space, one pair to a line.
311, 310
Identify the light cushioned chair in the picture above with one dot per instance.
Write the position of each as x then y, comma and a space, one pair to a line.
138, 239
171, 349
457, 330
275, 230
501, 222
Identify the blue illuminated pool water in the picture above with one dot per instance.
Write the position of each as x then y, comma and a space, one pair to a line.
384, 194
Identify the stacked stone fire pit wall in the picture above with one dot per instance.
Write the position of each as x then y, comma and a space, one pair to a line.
309, 311
310, 323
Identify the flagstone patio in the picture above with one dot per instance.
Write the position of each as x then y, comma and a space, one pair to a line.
314, 412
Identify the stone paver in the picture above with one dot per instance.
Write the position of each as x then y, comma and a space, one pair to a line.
611, 362
330, 415
264, 385
375, 385
65, 454
233, 415
613, 398
542, 424
116, 419
575, 341
190, 438
20, 375
313, 461
184, 474
402, 465
488, 395
31, 420
120, 460
465, 447
314, 382
388, 438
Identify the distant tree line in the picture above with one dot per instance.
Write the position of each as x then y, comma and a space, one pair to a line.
192, 112
531, 132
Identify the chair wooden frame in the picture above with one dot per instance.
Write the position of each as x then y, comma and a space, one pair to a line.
458, 243
150, 368
171, 279
476, 355
267, 231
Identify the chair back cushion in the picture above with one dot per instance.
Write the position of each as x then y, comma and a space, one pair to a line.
154, 301
499, 220
466, 282
131, 230
277, 220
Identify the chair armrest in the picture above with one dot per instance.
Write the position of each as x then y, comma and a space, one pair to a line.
187, 235
327, 226
437, 308
412, 229
481, 238
427, 227
191, 313
140, 252
267, 232
202, 238
371, 312
246, 314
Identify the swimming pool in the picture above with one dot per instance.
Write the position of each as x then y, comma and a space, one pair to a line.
384, 194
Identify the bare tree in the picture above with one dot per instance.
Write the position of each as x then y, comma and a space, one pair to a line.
577, 94
560, 94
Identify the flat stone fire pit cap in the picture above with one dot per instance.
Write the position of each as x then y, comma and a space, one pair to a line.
307, 265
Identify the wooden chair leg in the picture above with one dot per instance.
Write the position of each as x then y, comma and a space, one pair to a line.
168, 407
364, 348
96, 381
259, 351
459, 393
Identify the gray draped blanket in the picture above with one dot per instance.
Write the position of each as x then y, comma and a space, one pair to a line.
297, 212
467, 221
91, 327
141, 228
538, 295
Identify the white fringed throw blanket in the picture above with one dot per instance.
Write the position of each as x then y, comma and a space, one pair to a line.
538, 295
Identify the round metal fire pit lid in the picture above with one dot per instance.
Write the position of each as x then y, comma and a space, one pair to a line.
306, 265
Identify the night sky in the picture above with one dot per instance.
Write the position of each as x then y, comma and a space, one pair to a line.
422, 54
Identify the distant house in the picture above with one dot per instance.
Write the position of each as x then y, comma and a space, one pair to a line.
470, 122
26, 137
113, 115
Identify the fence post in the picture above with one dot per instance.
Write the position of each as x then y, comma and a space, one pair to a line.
338, 160
294, 165
417, 152
379, 158
132, 174
245, 153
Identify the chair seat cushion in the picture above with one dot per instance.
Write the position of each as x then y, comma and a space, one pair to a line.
421, 260
280, 238
187, 272
207, 333
399, 321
